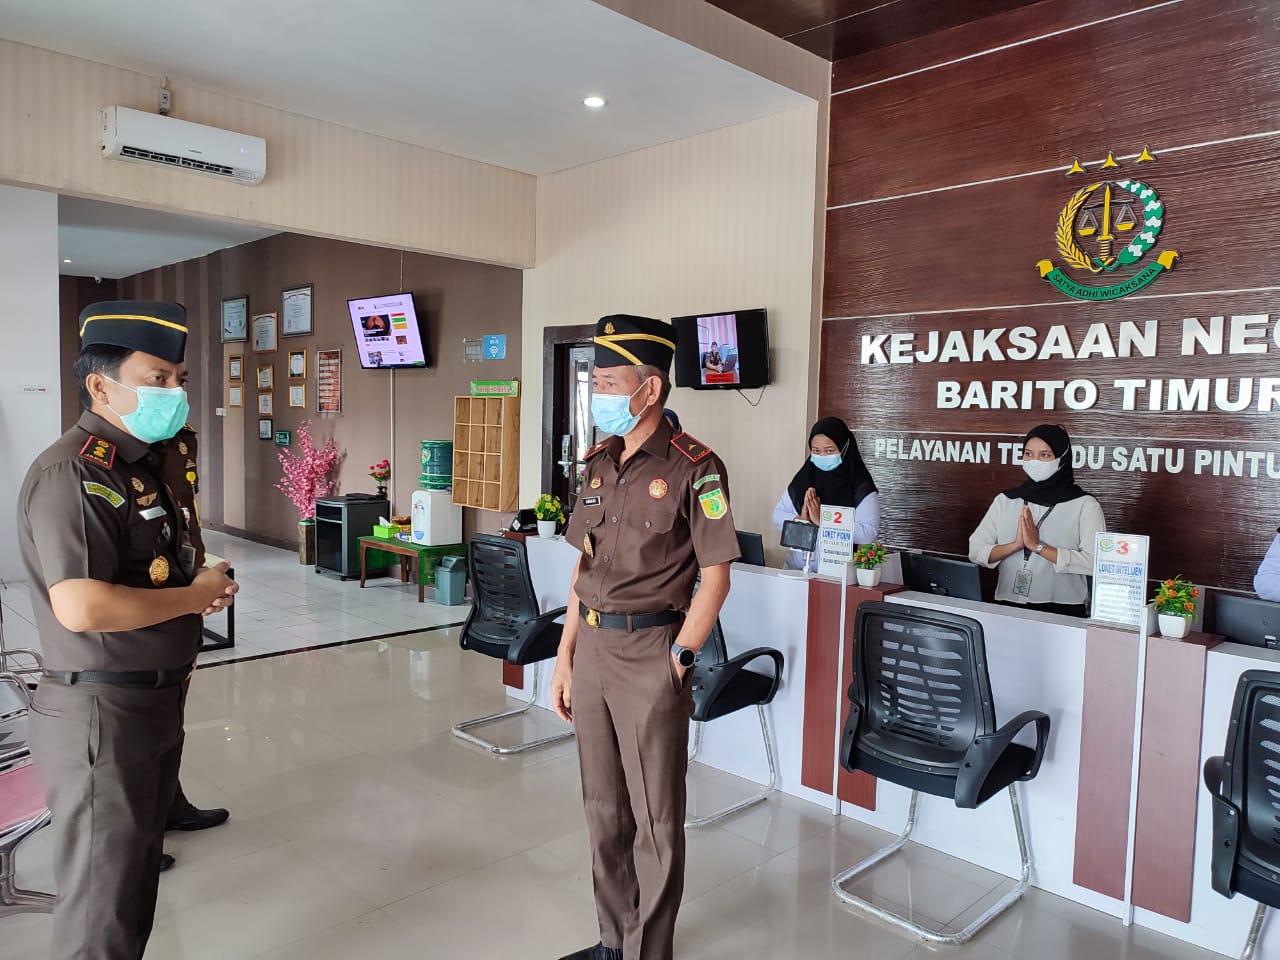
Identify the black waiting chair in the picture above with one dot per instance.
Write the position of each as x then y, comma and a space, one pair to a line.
1245, 783
22, 803
722, 686
505, 623
922, 716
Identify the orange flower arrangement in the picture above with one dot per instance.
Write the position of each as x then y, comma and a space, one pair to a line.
1178, 597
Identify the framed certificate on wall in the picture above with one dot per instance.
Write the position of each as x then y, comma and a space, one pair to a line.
235, 319
235, 397
235, 368
264, 405
297, 394
264, 430
295, 311
297, 364
264, 333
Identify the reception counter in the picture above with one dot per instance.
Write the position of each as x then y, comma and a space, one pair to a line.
1097, 837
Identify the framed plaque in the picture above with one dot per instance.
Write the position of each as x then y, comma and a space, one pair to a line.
295, 311
264, 333
235, 319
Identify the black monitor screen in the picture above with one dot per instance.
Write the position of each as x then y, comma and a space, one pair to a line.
1244, 619
938, 575
722, 350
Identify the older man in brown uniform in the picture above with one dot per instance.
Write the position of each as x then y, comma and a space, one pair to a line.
117, 598
653, 512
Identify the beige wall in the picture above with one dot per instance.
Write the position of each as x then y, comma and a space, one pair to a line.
322, 179
721, 221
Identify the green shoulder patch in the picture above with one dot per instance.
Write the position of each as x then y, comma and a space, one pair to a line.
714, 504
94, 489
702, 481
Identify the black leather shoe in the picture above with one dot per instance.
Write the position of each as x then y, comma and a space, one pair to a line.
197, 819
166, 862
598, 952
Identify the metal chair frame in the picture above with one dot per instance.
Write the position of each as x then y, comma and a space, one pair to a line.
766, 732
14, 899
460, 730
958, 766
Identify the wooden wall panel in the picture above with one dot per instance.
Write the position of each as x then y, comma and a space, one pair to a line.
1151, 78
950, 254
988, 33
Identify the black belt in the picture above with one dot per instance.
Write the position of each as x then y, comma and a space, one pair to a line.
628, 621
153, 679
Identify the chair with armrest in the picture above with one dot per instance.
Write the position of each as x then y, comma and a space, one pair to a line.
922, 716
1246, 802
22, 812
506, 623
722, 685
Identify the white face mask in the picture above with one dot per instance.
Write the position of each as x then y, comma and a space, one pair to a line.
1041, 470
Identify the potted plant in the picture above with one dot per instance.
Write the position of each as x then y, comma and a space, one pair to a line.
381, 472
308, 473
868, 558
550, 512
1176, 601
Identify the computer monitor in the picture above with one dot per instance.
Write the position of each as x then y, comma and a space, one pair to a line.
751, 546
947, 578
1248, 620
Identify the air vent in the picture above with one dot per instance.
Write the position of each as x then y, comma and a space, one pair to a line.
151, 156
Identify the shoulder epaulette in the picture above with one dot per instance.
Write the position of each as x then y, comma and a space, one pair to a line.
603, 444
187, 428
101, 452
695, 450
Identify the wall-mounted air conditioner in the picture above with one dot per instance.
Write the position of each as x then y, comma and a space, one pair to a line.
150, 138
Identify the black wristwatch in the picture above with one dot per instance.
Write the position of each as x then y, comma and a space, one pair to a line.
684, 656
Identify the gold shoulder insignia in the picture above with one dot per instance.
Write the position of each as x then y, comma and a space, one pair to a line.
100, 452
596, 449
695, 450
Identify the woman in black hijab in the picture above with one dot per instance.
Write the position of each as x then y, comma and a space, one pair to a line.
1040, 533
835, 475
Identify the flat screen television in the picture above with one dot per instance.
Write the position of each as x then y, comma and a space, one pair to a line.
387, 332
720, 351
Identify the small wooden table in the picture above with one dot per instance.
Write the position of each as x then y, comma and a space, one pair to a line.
419, 558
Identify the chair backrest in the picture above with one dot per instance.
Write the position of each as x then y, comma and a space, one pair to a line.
713, 651
501, 586
922, 685
751, 548
1251, 767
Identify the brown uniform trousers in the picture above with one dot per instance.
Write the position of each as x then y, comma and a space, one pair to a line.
109, 758
632, 719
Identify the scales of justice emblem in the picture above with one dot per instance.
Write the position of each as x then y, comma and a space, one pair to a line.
1105, 228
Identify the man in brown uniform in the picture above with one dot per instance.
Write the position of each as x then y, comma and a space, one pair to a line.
117, 599
653, 512
179, 473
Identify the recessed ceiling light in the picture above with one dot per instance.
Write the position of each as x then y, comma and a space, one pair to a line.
66, 261
594, 102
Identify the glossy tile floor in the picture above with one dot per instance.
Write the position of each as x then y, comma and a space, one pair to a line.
361, 828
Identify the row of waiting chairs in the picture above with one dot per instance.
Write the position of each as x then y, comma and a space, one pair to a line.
921, 715
22, 802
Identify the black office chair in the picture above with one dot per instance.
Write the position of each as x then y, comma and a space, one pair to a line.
722, 686
922, 716
505, 623
1246, 803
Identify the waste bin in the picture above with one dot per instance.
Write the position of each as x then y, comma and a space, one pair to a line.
451, 580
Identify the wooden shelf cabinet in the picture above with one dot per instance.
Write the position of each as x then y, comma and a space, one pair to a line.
486, 452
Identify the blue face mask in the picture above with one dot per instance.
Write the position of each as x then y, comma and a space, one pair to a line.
612, 412
160, 413
827, 462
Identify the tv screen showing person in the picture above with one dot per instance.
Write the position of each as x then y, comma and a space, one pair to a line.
375, 326
717, 344
1040, 534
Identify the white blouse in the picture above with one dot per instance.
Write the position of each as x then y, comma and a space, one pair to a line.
1070, 529
866, 526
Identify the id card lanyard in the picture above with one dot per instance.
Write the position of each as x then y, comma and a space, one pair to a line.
1022, 579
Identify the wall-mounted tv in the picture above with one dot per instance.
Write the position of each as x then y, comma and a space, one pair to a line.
722, 350
387, 332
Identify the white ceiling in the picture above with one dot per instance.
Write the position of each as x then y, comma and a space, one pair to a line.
500, 81
109, 240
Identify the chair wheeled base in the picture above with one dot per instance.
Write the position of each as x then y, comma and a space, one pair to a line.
460, 729
924, 933
751, 801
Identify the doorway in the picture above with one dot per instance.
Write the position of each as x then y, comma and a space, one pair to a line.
567, 430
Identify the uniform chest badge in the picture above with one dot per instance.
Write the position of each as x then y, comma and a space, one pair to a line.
159, 571
138, 485
182, 447
587, 547
595, 483
658, 489
148, 500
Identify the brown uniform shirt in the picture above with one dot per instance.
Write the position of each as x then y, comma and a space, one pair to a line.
646, 526
92, 507
178, 470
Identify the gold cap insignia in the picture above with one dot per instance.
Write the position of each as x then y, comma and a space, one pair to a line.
159, 571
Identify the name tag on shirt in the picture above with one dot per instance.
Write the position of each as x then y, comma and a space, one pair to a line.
151, 513
590, 501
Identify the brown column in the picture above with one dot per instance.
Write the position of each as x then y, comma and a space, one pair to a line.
822, 651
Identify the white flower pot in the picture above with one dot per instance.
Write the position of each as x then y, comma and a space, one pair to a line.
868, 578
1173, 626
546, 528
